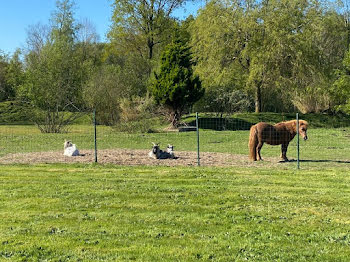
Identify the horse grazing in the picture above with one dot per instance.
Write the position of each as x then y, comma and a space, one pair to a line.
278, 134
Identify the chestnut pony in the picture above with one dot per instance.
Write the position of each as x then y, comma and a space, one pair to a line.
278, 134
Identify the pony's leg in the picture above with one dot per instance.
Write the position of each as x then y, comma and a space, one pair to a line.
258, 149
284, 148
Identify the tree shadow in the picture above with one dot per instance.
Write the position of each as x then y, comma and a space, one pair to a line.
317, 161
221, 124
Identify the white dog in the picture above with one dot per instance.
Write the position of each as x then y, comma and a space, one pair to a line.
70, 149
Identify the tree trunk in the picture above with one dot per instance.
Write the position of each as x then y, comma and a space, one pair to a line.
174, 119
150, 44
258, 98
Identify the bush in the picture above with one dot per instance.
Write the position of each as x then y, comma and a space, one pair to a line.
312, 101
225, 100
138, 115
13, 112
136, 108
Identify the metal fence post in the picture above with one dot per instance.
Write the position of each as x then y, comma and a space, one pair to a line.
197, 128
95, 135
298, 148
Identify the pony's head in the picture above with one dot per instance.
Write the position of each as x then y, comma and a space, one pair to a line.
303, 129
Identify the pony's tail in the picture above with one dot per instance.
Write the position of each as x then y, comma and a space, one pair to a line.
253, 143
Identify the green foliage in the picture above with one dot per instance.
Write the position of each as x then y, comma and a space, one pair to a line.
139, 115
11, 75
144, 125
103, 91
341, 87
283, 50
56, 74
141, 26
13, 112
5, 90
224, 100
136, 108
281, 55
111, 83
175, 86
8, 68
243, 121
16, 74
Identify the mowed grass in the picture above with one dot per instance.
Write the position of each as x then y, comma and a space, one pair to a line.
325, 147
112, 213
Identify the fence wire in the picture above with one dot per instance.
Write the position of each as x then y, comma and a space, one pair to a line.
223, 141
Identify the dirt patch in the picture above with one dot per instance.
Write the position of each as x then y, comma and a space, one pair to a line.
137, 157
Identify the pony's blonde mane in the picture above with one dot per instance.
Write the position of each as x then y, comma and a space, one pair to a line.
293, 124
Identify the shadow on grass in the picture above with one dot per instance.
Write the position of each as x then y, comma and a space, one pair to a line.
222, 124
317, 161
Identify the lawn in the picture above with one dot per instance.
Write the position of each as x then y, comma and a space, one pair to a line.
113, 213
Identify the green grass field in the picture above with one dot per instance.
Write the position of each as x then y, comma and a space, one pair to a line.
111, 213
71, 212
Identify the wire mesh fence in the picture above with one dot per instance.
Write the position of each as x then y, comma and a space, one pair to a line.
27, 144
220, 141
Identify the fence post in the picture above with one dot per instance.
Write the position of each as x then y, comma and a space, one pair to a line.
95, 135
298, 149
197, 128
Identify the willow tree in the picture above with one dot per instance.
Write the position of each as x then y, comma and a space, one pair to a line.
341, 86
272, 49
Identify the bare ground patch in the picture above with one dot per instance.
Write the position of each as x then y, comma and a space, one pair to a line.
137, 157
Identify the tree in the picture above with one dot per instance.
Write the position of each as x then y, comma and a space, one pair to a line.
341, 86
15, 74
55, 73
175, 86
104, 91
272, 49
38, 36
5, 89
140, 29
142, 24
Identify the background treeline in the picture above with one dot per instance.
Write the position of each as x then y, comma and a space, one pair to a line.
270, 55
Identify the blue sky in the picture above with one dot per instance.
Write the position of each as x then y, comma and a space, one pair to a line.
17, 15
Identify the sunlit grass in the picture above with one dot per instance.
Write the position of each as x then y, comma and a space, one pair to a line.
91, 213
